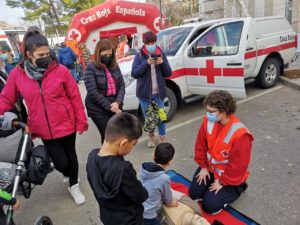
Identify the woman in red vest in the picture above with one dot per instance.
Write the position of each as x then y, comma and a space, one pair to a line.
222, 151
122, 48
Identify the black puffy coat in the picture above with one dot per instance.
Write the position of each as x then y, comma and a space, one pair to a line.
95, 81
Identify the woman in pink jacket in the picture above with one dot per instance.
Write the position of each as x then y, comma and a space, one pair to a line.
55, 108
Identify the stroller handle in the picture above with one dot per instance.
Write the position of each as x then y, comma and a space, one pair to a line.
21, 125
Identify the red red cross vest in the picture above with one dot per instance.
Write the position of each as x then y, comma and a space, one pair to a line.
120, 50
220, 145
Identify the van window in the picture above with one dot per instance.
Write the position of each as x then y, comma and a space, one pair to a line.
197, 34
268, 27
220, 41
171, 40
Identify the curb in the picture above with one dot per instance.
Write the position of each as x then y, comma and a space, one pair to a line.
290, 83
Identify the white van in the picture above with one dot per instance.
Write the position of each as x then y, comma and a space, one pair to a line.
9, 39
219, 54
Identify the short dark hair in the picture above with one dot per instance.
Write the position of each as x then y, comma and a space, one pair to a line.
149, 37
164, 153
103, 45
221, 100
123, 125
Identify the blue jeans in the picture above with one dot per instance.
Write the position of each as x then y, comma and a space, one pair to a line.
74, 73
144, 105
154, 221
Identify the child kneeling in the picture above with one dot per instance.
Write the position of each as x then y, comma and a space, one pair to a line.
157, 183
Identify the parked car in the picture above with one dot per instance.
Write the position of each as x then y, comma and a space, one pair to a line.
219, 54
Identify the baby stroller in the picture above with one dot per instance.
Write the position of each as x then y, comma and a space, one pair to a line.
33, 164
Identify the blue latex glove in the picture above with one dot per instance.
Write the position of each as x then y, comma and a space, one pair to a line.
7, 120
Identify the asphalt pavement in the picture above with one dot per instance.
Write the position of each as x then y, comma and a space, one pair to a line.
273, 196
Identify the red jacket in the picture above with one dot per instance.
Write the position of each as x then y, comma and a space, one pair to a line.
56, 110
238, 160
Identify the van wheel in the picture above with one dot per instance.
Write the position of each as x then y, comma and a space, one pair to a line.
170, 104
269, 73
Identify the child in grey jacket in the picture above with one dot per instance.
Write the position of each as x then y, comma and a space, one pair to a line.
157, 183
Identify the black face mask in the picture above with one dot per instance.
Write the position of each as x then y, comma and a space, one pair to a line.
43, 63
106, 59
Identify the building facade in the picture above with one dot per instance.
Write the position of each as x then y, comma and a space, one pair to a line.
290, 9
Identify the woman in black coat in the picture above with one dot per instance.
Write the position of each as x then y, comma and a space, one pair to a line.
105, 86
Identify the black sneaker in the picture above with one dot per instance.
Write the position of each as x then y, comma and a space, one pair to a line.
245, 186
217, 222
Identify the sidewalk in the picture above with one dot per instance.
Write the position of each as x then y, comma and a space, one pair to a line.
294, 68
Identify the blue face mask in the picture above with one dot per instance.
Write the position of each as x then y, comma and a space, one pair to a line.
4, 56
212, 117
151, 48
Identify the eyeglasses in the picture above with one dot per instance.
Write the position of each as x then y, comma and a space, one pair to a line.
212, 111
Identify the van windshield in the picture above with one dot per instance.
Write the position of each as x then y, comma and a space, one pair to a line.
171, 40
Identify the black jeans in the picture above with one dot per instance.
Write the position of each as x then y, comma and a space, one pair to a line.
63, 154
213, 202
101, 121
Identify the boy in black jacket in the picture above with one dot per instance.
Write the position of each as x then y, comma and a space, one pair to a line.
113, 180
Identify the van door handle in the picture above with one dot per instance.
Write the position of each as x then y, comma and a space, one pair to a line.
250, 48
234, 64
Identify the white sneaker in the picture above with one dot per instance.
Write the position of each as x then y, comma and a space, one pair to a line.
151, 140
66, 179
76, 194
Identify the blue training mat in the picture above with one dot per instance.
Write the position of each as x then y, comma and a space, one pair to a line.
178, 178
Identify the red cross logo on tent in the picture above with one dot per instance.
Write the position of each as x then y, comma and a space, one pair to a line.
210, 71
74, 34
156, 23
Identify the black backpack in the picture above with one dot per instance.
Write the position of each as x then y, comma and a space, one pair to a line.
38, 165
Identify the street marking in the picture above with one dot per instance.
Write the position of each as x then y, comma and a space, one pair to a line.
200, 117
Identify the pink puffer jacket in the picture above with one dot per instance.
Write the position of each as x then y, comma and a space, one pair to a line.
55, 110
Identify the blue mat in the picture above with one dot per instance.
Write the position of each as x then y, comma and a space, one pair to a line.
178, 178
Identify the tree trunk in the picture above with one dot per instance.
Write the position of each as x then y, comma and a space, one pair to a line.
56, 16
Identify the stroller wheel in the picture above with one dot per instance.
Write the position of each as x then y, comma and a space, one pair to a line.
43, 220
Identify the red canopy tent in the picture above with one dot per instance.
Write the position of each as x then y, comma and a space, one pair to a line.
126, 15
